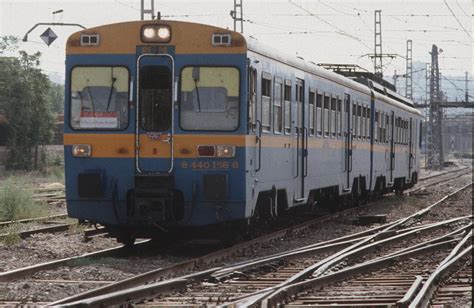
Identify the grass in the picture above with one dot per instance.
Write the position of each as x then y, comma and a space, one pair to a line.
16, 201
12, 237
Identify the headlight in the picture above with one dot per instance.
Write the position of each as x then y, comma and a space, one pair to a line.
156, 34
224, 150
81, 150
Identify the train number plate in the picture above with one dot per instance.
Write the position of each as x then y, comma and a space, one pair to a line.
204, 165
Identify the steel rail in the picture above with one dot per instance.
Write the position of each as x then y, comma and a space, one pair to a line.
283, 293
411, 293
441, 174
144, 292
38, 219
442, 238
48, 229
423, 297
322, 266
147, 291
322, 246
25, 271
260, 295
412, 190
189, 265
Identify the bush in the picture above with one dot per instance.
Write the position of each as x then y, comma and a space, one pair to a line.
17, 203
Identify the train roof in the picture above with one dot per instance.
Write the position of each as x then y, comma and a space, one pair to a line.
381, 92
129, 32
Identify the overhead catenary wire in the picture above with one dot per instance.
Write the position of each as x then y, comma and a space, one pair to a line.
457, 19
340, 31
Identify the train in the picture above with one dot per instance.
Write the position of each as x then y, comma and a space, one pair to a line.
172, 125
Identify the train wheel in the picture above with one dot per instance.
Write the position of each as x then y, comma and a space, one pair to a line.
126, 239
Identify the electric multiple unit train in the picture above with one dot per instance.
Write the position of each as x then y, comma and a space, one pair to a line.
172, 125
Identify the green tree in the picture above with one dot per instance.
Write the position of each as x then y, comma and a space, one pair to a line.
56, 95
26, 105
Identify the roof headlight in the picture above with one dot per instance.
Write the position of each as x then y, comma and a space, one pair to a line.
164, 33
156, 34
149, 33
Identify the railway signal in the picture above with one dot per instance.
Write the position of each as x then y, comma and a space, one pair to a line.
48, 36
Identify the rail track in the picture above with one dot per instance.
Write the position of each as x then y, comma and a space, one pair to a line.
208, 284
104, 286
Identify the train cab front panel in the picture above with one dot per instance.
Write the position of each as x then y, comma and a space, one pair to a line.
155, 124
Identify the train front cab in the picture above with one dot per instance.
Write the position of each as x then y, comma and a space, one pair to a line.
155, 132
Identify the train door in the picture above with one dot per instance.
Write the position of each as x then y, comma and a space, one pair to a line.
392, 145
255, 123
410, 149
155, 114
301, 136
347, 141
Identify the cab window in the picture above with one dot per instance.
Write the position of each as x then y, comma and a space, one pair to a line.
210, 98
99, 98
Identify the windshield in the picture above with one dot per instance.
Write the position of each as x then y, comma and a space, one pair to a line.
210, 98
99, 98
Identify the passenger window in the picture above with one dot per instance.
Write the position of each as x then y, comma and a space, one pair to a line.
326, 115
266, 102
354, 120
367, 124
312, 99
287, 96
319, 114
359, 119
333, 116
376, 127
277, 107
299, 101
339, 117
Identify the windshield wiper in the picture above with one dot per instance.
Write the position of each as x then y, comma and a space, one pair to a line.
197, 94
110, 93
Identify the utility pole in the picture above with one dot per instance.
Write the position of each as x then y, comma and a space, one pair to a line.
378, 69
427, 114
237, 15
427, 83
144, 11
435, 141
409, 72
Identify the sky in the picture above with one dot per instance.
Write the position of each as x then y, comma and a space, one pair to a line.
326, 31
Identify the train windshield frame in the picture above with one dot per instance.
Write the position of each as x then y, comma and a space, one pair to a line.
209, 98
99, 98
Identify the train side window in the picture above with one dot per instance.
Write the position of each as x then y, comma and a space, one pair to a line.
354, 120
421, 133
339, 117
359, 120
347, 107
387, 126
333, 116
299, 102
319, 114
277, 106
287, 97
312, 99
252, 99
266, 101
363, 123
326, 115
376, 127
367, 124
